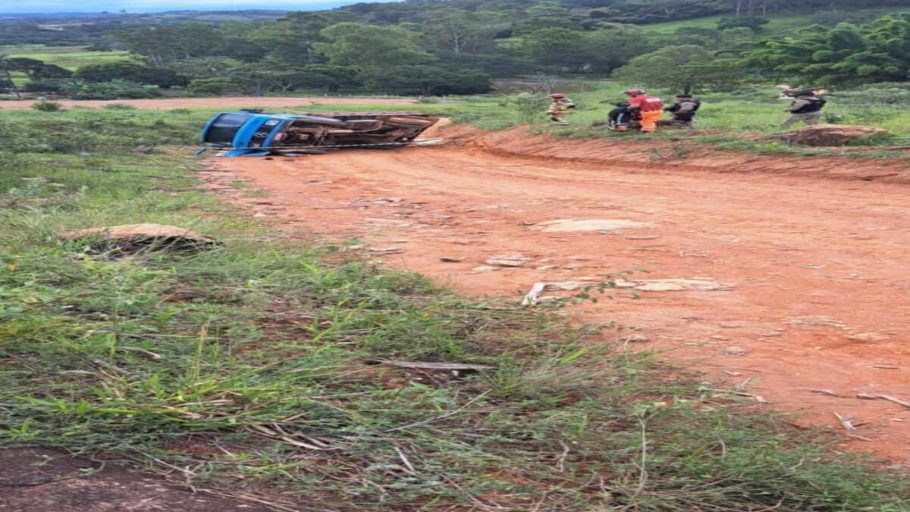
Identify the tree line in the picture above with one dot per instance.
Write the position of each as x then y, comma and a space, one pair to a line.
435, 47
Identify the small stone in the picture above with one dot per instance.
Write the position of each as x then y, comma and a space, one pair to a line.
636, 338
867, 337
719, 338
735, 351
385, 250
449, 259
484, 269
508, 260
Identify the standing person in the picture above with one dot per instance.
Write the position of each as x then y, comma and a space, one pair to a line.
684, 109
807, 108
558, 108
649, 108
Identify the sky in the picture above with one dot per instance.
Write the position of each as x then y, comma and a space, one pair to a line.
57, 6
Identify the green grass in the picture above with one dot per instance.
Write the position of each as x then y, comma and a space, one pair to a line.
69, 57
245, 363
729, 120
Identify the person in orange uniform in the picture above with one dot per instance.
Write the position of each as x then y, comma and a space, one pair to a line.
649, 108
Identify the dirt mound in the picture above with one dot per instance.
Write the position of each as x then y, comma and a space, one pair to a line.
133, 238
830, 135
637, 154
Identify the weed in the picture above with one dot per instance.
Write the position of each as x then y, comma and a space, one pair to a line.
47, 106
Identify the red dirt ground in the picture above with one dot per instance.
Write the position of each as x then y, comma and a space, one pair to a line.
813, 271
226, 102
39, 480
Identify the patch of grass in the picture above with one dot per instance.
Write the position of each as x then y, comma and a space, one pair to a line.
246, 364
69, 57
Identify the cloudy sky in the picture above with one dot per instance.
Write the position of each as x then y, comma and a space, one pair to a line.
51, 6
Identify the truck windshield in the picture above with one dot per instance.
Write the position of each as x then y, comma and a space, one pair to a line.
224, 128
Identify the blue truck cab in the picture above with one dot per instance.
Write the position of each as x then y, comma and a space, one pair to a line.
254, 133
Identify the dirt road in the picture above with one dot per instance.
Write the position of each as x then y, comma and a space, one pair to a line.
795, 284
225, 102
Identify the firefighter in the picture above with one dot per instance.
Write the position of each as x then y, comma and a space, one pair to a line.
648, 108
683, 110
558, 108
807, 108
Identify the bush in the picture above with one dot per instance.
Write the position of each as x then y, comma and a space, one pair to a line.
46, 86
115, 89
47, 106
429, 80
119, 106
530, 106
130, 72
211, 86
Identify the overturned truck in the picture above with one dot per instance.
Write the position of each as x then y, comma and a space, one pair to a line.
254, 133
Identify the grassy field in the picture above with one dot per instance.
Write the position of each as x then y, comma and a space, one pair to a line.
69, 57
246, 363
730, 120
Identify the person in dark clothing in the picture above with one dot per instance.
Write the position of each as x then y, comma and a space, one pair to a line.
621, 115
807, 108
683, 110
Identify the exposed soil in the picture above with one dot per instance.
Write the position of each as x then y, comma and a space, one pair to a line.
226, 102
802, 282
37, 480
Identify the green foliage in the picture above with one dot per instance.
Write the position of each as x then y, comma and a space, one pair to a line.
750, 22
845, 54
427, 80
369, 47
47, 106
115, 89
682, 68
212, 86
530, 106
598, 51
131, 72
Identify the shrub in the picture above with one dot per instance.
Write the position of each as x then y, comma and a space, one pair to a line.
131, 72
115, 89
46, 86
119, 106
211, 86
47, 106
530, 106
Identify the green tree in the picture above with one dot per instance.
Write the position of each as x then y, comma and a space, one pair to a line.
845, 54
683, 68
130, 72
458, 31
427, 80
164, 44
367, 46
292, 39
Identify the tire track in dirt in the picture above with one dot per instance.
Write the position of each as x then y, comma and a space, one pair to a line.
812, 273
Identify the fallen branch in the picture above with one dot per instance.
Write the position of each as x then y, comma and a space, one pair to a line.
420, 365
533, 296
898, 401
846, 421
